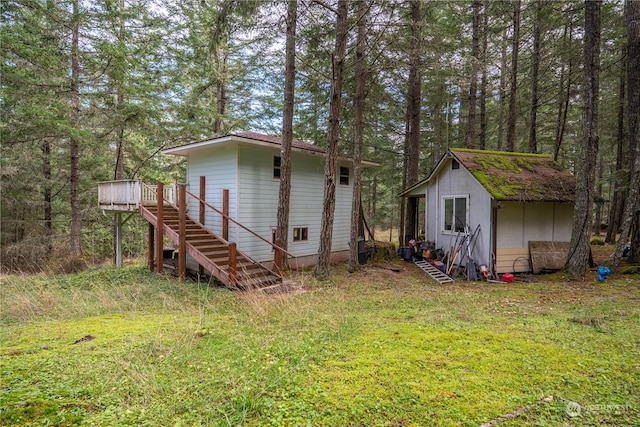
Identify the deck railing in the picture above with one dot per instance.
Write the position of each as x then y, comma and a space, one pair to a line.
150, 194
128, 195
119, 195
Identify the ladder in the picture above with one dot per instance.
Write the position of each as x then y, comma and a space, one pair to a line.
433, 272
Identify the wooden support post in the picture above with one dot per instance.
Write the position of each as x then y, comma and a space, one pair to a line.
225, 217
118, 221
152, 249
278, 256
233, 266
203, 194
160, 228
182, 233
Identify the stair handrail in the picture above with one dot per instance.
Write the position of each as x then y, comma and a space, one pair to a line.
273, 245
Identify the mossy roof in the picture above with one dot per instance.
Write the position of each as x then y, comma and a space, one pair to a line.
511, 176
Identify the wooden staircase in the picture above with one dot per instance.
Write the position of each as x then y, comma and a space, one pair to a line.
212, 251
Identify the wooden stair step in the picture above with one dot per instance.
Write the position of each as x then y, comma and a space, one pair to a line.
214, 252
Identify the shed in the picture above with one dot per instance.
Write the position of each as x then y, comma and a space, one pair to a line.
514, 198
247, 165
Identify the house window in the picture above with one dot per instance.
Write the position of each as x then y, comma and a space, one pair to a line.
455, 164
276, 167
300, 234
455, 213
344, 175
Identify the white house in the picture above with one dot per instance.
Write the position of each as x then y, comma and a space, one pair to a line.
515, 198
247, 164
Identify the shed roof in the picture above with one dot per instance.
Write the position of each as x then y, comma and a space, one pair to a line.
511, 176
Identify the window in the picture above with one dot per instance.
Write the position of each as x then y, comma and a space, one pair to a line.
344, 175
300, 234
455, 213
455, 164
276, 167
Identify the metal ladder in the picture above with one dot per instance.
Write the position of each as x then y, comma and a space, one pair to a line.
433, 272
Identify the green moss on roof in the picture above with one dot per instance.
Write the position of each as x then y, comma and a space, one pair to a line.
500, 153
518, 176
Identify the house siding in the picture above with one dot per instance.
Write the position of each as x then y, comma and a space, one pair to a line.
220, 168
258, 202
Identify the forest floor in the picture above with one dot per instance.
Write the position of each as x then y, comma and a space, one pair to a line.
377, 347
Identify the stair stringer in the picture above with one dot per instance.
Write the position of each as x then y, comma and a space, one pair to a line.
217, 271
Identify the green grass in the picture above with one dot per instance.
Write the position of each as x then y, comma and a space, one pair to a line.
372, 348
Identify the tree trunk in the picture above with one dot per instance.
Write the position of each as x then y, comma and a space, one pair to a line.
333, 134
617, 204
358, 111
119, 170
74, 148
482, 136
535, 67
282, 230
599, 201
502, 91
374, 201
221, 90
47, 193
511, 123
578, 258
631, 215
473, 84
563, 95
412, 134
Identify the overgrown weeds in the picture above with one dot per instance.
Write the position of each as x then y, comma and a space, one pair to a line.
377, 347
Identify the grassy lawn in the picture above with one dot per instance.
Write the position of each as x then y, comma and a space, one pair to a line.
128, 347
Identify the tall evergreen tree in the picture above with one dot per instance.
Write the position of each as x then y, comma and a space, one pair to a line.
578, 257
413, 121
631, 214
333, 134
287, 128
358, 136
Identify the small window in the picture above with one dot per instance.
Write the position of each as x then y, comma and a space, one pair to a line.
276, 167
344, 175
300, 234
455, 164
455, 213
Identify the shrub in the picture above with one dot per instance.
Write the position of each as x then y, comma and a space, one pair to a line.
381, 251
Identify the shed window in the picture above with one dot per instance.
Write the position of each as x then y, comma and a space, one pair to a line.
344, 175
276, 167
455, 213
455, 164
300, 234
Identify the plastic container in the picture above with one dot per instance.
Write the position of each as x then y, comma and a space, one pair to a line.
507, 278
405, 252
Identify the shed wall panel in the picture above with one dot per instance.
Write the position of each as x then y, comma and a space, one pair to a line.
458, 182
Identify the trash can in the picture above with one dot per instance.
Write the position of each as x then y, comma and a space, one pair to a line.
362, 251
405, 252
